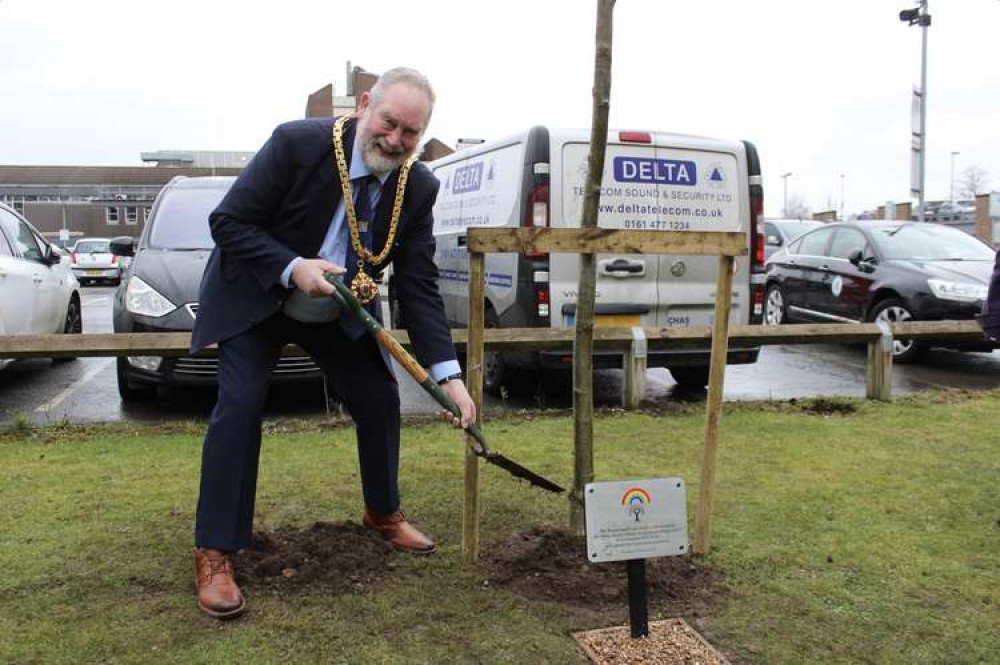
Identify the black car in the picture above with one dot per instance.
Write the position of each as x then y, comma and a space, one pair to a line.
159, 291
779, 232
880, 271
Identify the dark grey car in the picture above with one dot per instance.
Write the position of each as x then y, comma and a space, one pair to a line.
159, 291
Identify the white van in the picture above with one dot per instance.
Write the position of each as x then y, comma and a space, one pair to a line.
652, 180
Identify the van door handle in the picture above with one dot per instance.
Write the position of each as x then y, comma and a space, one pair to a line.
36, 279
622, 267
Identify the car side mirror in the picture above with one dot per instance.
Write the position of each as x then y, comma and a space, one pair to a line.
123, 246
52, 257
857, 258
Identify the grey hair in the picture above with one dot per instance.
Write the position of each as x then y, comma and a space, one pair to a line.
401, 75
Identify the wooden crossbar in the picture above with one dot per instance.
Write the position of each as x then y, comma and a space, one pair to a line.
520, 339
593, 241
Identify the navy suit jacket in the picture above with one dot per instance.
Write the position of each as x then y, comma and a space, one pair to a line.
281, 206
990, 317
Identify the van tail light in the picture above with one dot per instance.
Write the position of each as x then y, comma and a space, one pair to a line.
72, 257
536, 212
542, 299
114, 259
756, 228
757, 298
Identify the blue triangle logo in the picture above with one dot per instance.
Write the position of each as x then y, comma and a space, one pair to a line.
716, 175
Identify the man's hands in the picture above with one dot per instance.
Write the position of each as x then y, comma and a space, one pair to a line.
308, 276
455, 389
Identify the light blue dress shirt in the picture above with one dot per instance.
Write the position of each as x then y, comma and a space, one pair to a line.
334, 247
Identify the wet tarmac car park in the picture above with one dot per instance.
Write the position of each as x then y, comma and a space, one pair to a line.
86, 390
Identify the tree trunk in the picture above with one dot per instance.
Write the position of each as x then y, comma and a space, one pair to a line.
583, 349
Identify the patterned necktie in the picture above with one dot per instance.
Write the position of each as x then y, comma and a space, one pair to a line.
365, 216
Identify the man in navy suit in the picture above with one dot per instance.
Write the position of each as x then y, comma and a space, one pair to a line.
990, 316
281, 228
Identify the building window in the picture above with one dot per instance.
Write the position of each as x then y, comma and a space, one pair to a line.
111, 214
131, 215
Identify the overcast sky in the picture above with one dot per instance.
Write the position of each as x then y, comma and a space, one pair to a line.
822, 89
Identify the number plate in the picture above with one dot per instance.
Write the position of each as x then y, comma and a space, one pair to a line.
95, 273
617, 320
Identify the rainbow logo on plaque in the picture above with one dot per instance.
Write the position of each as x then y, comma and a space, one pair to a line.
635, 501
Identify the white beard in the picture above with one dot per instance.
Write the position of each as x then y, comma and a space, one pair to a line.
376, 161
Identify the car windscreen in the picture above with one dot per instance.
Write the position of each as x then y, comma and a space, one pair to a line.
930, 243
92, 247
181, 220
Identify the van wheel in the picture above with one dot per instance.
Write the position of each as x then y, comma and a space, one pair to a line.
690, 377
498, 375
130, 392
894, 310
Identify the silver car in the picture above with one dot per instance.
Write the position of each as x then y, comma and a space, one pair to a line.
92, 261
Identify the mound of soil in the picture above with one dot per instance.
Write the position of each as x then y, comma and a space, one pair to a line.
547, 563
822, 406
327, 556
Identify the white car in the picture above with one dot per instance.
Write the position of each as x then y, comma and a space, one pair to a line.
92, 260
38, 292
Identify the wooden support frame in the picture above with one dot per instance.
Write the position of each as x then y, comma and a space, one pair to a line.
713, 410
592, 241
475, 353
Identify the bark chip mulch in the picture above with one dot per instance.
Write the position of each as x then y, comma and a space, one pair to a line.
669, 642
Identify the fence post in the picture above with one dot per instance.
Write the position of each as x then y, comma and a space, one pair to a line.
634, 364
878, 384
713, 412
474, 368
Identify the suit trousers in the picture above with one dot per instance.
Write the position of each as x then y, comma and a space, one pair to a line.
358, 373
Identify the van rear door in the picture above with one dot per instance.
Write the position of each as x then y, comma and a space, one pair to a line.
708, 194
654, 182
627, 291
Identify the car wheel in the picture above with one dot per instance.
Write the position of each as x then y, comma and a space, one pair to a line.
894, 310
130, 392
690, 377
774, 306
73, 325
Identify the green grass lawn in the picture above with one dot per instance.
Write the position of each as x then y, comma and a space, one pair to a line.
871, 536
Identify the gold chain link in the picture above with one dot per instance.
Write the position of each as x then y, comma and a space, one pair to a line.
345, 186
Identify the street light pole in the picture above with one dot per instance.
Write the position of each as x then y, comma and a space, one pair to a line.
952, 181
923, 109
843, 209
784, 209
919, 16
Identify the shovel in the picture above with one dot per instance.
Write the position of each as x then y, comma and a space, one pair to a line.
477, 442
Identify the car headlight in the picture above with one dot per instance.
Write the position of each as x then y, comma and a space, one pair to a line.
141, 298
960, 291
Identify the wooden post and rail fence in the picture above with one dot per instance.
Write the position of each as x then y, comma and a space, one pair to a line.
476, 339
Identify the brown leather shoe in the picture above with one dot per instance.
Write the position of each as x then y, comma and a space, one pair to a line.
398, 531
218, 595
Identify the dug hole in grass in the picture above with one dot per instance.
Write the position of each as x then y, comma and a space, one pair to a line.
867, 533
